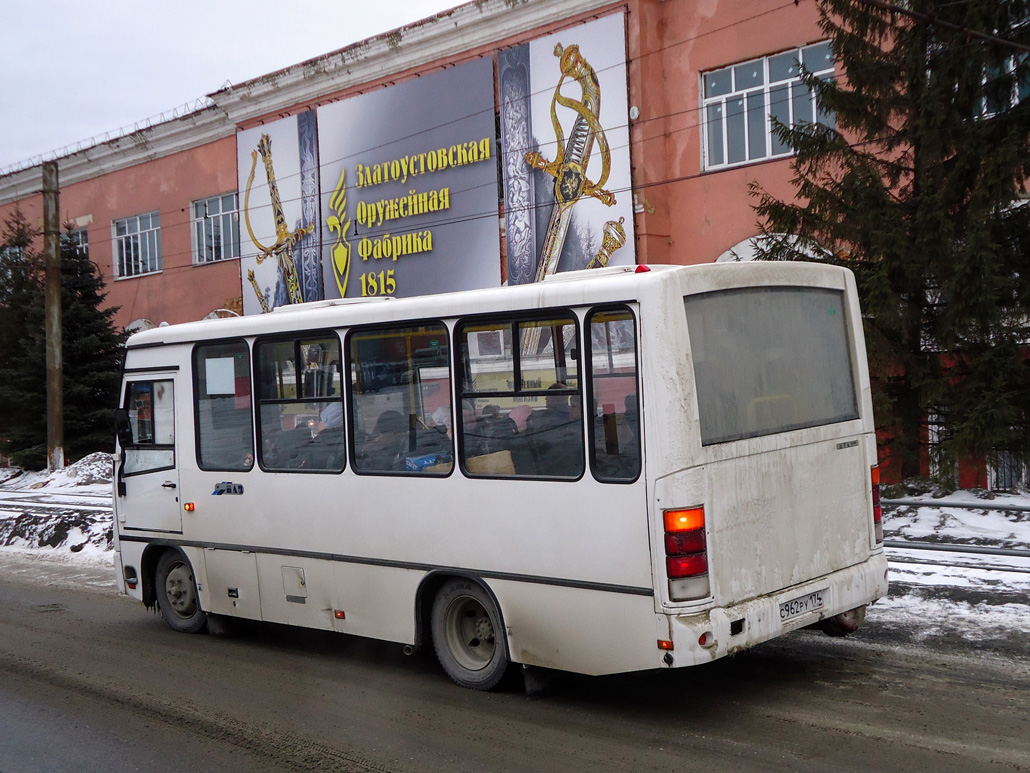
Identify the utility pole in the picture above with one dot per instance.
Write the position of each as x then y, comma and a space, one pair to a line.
54, 344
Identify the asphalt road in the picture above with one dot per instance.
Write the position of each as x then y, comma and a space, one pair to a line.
90, 681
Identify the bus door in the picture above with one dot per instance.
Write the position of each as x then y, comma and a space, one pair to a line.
147, 472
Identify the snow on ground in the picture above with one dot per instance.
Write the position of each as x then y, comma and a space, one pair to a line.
931, 521
62, 522
65, 514
90, 475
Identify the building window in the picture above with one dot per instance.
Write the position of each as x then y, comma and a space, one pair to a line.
137, 245
216, 228
11, 260
1005, 86
740, 101
79, 240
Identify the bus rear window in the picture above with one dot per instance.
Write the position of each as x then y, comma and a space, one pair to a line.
769, 360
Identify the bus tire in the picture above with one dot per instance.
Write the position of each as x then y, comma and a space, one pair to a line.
177, 593
844, 623
468, 635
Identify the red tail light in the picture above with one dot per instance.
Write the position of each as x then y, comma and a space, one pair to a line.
874, 473
689, 542
686, 553
686, 566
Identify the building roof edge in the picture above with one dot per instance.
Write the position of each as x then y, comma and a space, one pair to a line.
446, 35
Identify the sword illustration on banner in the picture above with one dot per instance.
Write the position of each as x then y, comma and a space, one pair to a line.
614, 237
285, 241
569, 167
257, 290
572, 158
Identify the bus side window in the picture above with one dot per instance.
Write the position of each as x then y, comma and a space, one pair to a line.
225, 434
614, 403
400, 397
521, 403
300, 404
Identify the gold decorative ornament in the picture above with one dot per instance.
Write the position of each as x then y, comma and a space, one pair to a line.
339, 224
614, 238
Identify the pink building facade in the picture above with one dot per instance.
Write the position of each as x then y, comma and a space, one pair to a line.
180, 228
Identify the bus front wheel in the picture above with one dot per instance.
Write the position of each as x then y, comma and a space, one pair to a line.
177, 593
468, 635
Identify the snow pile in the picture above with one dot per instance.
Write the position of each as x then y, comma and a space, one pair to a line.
91, 474
67, 512
936, 522
947, 620
84, 535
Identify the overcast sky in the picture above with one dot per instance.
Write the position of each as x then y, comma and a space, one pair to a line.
71, 70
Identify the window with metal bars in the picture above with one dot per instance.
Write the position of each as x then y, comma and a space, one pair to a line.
216, 228
137, 245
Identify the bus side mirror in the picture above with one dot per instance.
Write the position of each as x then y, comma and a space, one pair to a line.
122, 427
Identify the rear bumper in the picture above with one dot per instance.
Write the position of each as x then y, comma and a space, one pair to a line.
841, 591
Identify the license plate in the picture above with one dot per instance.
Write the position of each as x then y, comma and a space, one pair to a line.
801, 605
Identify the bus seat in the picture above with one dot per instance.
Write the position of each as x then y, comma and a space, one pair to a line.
497, 463
325, 452
286, 449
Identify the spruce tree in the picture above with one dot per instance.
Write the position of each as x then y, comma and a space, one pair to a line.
919, 191
91, 357
22, 408
93, 351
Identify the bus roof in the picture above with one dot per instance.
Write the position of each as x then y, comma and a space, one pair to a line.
604, 285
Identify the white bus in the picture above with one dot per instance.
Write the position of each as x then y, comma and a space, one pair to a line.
612, 470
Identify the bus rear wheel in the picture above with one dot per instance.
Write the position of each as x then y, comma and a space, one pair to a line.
844, 623
468, 635
177, 593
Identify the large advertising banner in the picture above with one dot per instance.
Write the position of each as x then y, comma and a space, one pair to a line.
409, 179
280, 256
394, 192
565, 135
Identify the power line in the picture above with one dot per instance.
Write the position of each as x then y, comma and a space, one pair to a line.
939, 22
493, 212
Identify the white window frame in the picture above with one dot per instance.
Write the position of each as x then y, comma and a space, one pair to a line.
752, 88
215, 228
137, 245
80, 240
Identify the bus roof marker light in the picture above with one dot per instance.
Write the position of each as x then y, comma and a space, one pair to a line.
642, 269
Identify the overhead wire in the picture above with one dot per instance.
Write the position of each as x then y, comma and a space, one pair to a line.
493, 212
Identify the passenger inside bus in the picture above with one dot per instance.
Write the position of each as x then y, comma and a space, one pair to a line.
387, 444
555, 434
